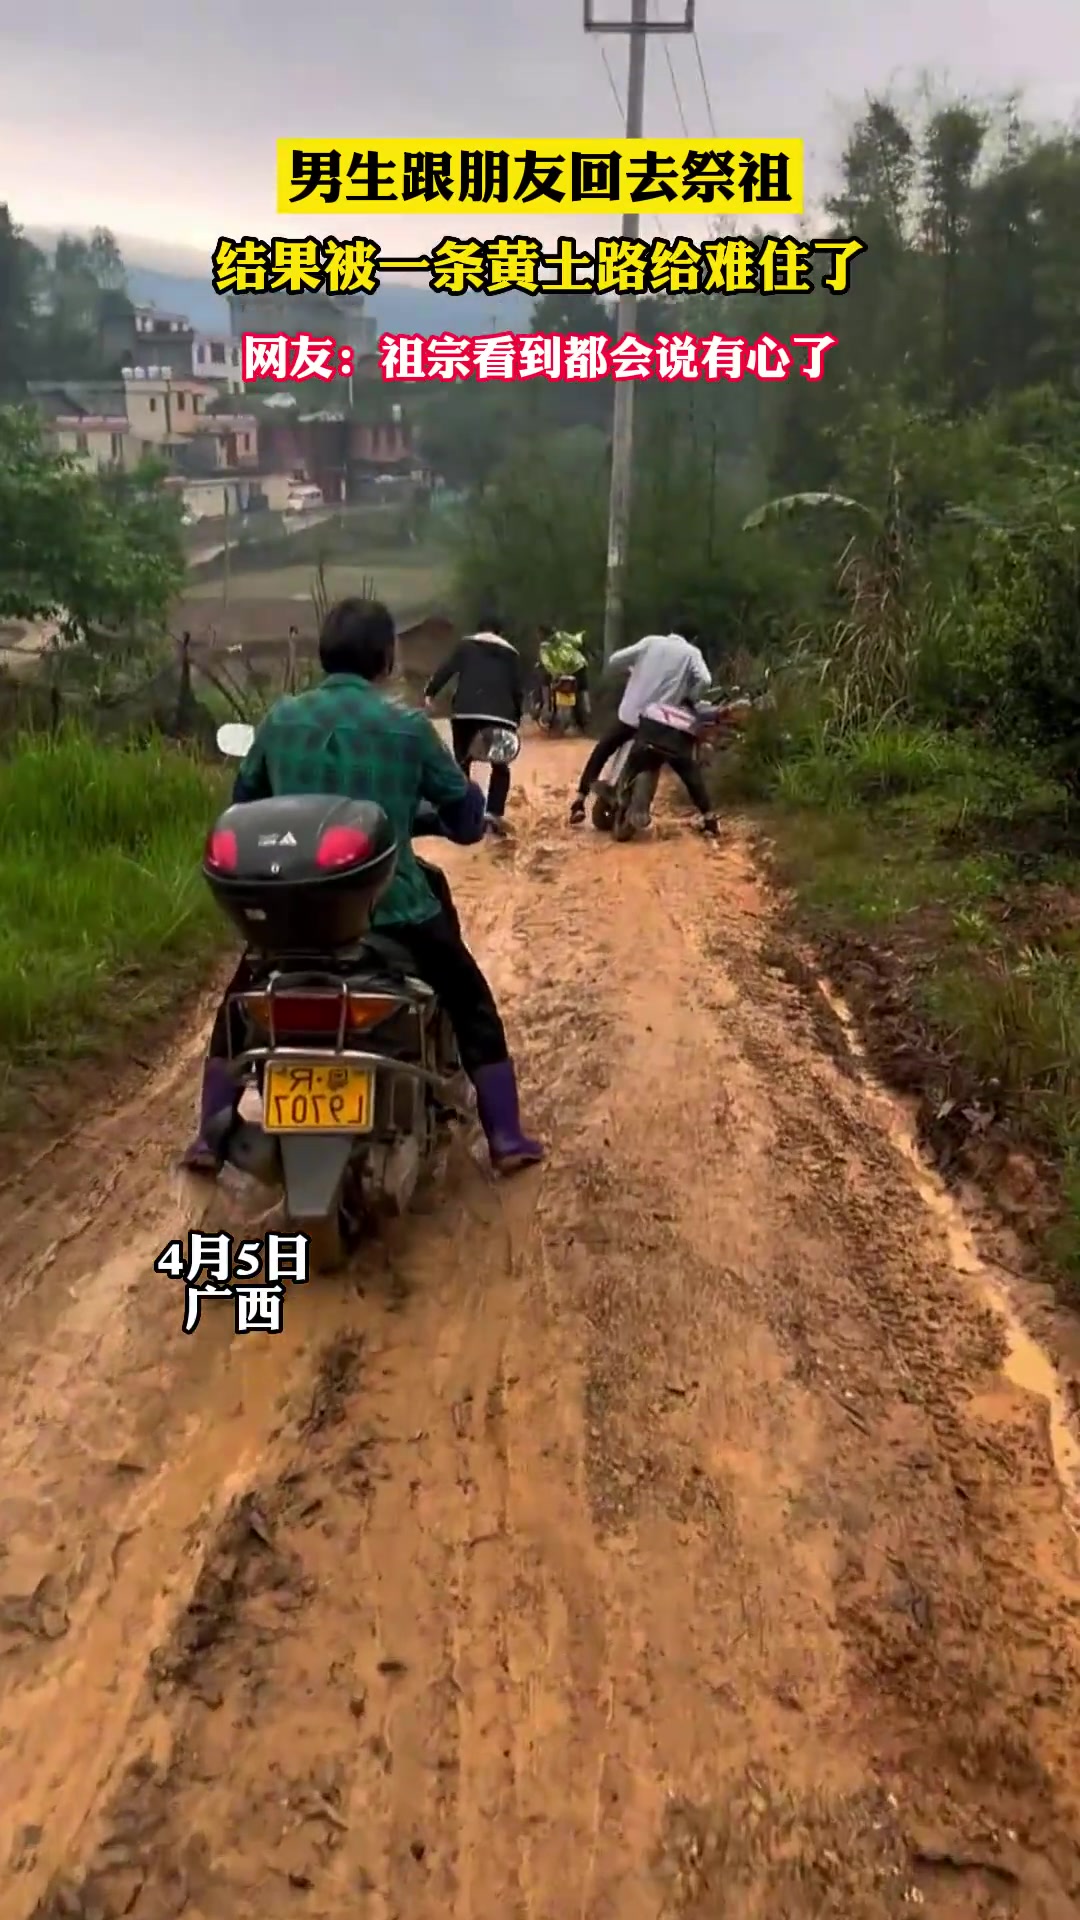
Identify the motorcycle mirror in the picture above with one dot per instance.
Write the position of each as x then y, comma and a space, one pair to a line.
234, 739
496, 746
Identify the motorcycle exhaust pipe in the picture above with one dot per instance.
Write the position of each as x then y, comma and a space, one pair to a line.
255, 1153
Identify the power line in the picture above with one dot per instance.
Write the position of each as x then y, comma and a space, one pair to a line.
704, 85
674, 84
619, 108
675, 91
617, 97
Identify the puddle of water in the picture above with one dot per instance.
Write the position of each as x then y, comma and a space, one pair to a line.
1026, 1364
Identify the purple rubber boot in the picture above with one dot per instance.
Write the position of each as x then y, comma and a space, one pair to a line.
497, 1106
219, 1095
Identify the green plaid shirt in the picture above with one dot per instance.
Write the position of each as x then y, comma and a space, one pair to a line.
343, 737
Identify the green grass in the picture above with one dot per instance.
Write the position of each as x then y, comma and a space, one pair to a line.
965, 864
1018, 1014
873, 871
939, 771
100, 889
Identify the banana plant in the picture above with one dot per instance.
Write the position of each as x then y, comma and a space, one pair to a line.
869, 660
791, 504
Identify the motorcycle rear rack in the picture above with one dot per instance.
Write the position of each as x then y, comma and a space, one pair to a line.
317, 983
347, 1056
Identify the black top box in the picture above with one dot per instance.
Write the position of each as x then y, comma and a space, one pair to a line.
303, 873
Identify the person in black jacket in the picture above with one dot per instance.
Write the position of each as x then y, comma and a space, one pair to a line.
490, 691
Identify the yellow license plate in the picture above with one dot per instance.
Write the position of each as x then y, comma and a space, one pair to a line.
323, 1097
564, 699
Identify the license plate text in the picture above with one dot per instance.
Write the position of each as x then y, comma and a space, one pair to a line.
310, 1098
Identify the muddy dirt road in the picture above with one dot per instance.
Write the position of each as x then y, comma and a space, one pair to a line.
659, 1534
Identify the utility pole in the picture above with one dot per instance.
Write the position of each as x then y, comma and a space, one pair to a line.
622, 431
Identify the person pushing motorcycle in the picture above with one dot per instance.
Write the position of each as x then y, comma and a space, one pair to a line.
665, 669
488, 691
345, 737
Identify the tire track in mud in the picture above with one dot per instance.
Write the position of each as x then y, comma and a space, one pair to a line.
659, 1536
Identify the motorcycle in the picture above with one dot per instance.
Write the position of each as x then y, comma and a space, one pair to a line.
555, 706
353, 1058
623, 802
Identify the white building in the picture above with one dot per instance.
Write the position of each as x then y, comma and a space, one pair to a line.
216, 357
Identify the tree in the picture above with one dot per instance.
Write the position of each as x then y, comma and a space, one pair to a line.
83, 282
534, 538
465, 431
951, 149
20, 266
879, 172
51, 310
102, 558
81, 271
950, 409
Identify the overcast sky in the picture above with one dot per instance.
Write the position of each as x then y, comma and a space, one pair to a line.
161, 122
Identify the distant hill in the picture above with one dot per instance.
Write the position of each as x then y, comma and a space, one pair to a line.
397, 309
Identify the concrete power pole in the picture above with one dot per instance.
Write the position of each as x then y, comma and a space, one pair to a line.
622, 434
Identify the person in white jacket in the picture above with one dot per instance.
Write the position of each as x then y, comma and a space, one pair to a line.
665, 669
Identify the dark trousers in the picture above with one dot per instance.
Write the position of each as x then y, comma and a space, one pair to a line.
645, 759
440, 887
441, 958
464, 733
609, 743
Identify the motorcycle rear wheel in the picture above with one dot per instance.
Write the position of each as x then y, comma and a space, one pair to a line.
327, 1248
639, 808
332, 1238
635, 809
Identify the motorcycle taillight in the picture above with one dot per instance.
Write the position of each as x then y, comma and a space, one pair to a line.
316, 1014
222, 852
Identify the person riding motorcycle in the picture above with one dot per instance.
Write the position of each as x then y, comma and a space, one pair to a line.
665, 669
346, 737
560, 655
